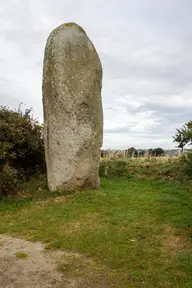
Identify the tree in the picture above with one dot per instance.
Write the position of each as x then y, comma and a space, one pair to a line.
158, 152
183, 136
141, 152
131, 152
150, 151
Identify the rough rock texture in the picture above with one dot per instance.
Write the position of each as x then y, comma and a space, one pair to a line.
73, 115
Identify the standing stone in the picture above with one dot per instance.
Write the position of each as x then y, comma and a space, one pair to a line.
73, 115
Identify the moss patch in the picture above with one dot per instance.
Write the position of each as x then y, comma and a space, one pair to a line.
21, 255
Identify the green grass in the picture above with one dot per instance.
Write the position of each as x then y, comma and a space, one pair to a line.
137, 231
21, 255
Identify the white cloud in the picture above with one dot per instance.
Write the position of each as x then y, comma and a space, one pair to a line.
145, 49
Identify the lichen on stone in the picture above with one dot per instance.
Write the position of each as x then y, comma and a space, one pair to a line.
70, 24
73, 115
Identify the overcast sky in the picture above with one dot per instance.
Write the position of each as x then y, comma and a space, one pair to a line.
145, 48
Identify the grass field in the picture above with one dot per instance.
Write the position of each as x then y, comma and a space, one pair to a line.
138, 232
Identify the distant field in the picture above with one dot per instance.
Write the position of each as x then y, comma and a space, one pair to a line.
161, 158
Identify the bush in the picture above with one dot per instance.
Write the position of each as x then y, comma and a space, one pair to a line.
114, 169
21, 147
151, 168
186, 164
102, 169
9, 181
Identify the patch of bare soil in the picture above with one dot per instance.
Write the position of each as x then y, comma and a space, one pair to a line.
27, 264
37, 269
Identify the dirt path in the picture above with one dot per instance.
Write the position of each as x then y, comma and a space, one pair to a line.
27, 264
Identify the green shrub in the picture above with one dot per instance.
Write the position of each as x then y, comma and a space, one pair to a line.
186, 164
118, 169
114, 169
9, 181
170, 169
21, 147
102, 169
